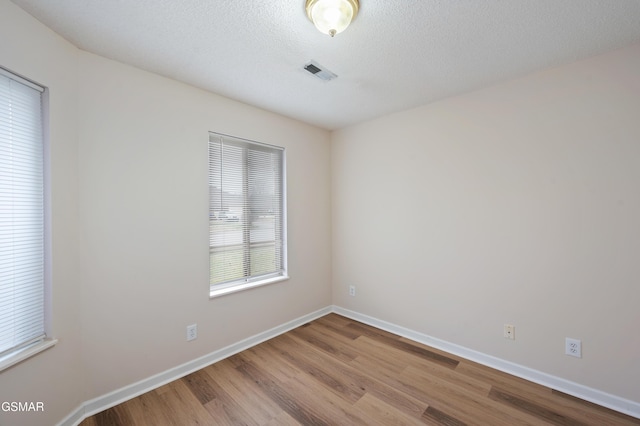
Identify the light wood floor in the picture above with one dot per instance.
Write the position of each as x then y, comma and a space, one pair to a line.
336, 371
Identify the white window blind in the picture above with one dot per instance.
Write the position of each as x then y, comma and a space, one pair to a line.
247, 229
21, 214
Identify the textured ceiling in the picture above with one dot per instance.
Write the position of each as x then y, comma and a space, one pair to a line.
395, 55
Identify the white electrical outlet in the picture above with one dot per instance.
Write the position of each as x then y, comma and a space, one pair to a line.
192, 332
509, 332
352, 290
573, 347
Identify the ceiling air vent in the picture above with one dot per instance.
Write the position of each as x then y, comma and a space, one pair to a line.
319, 71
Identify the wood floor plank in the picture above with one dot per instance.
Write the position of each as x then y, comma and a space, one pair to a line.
432, 349
226, 412
200, 384
372, 332
278, 368
328, 371
148, 409
409, 405
381, 413
406, 385
357, 381
544, 397
597, 412
433, 416
427, 369
90, 421
399, 359
468, 406
180, 399
337, 371
280, 395
223, 409
283, 419
325, 405
337, 328
337, 320
325, 342
532, 408
498, 378
379, 354
397, 342
260, 407
428, 355
118, 415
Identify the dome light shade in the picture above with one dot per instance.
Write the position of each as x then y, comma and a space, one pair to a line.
332, 16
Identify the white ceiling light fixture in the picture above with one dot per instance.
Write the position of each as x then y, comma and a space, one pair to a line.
332, 16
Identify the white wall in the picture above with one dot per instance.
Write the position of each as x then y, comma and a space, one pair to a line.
515, 204
143, 167
54, 376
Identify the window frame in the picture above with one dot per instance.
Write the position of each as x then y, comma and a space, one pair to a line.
249, 282
29, 348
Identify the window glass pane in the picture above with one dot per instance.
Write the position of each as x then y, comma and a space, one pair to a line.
246, 210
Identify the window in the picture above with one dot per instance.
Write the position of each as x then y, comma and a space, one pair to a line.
22, 232
247, 217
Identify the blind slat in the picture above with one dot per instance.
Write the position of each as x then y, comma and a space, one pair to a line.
246, 209
21, 213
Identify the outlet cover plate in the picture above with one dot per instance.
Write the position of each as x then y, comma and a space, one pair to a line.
192, 332
573, 347
510, 331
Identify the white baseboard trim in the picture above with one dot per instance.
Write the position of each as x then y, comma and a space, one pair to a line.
121, 395
586, 393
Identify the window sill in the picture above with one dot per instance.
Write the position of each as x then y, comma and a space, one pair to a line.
24, 353
241, 287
